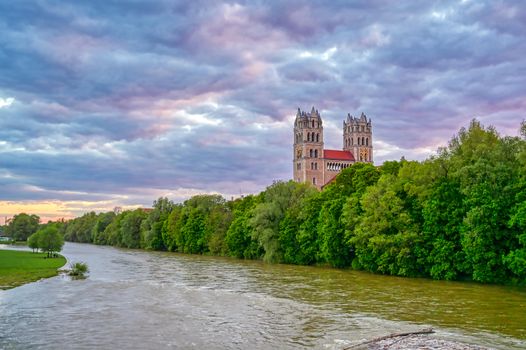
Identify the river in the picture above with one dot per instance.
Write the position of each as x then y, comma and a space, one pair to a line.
136, 299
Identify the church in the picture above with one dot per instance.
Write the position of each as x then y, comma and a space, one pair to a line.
313, 163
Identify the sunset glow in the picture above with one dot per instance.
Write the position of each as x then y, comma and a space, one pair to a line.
98, 110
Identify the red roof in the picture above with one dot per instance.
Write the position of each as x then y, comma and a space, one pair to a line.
337, 155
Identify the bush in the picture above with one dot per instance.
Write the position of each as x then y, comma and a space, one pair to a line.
78, 269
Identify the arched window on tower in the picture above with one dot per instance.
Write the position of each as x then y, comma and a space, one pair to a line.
317, 137
363, 141
367, 141
315, 153
313, 123
311, 153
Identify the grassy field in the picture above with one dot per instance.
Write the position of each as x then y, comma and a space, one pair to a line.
20, 267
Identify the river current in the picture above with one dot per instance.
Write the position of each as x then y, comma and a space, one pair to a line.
136, 299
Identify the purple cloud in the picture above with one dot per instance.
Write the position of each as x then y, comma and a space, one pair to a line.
121, 103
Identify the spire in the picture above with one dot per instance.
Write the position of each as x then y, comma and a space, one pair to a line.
363, 117
313, 112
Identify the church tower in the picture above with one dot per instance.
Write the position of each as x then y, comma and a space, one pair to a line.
308, 148
358, 138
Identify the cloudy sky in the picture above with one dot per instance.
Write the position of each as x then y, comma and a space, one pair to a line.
108, 103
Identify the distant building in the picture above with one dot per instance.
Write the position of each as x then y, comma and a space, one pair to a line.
314, 164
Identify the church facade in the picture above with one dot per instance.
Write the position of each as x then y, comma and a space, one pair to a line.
313, 163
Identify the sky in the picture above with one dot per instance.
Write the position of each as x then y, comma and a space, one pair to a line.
108, 103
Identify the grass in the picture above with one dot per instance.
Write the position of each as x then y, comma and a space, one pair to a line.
21, 267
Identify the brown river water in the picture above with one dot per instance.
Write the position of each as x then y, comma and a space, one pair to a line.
153, 300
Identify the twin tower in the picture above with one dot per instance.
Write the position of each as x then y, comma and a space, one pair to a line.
314, 164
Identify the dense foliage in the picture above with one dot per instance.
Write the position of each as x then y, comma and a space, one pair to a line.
48, 239
78, 269
459, 215
21, 226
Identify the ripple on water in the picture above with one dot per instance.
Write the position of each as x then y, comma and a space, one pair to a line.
150, 300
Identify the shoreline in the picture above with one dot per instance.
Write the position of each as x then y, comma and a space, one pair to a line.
19, 267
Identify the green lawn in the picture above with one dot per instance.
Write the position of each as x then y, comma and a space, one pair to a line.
20, 267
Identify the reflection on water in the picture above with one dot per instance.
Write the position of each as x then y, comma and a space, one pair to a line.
137, 299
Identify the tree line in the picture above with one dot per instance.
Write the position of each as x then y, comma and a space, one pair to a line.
46, 238
459, 215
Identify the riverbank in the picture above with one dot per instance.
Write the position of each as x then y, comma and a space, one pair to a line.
21, 267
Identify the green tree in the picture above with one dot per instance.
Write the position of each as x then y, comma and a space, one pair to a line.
50, 240
515, 259
216, 226
268, 214
443, 214
333, 247
193, 231
130, 227
487, 169
191, 227
385, 233
171, 231
97, 232
112, 234
80, 229
152, 226
22, 226
33, 241
289, 238
307, 235
334, 222
238, 238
